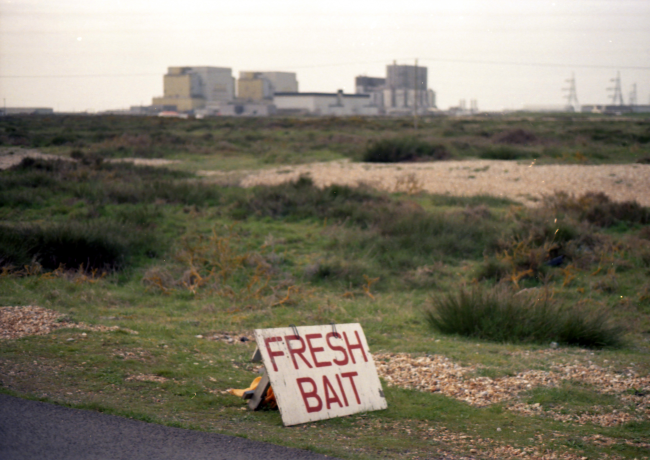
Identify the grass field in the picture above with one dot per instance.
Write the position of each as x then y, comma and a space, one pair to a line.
184, 262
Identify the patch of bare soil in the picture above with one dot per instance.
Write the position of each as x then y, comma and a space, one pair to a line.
519, 181
18, 322
439, 374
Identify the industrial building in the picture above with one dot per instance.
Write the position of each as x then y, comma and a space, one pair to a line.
332, 104
26, 111
367, 85
615, 109
259, 86
192, 88
403, 91
208, 91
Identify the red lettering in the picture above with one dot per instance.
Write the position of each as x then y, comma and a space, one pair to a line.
337, 348
312, 394
350, 375
328, 400
273, 354
296, 351
345, 399
353, 347
313, 350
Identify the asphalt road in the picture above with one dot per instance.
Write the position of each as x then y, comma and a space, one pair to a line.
32, 430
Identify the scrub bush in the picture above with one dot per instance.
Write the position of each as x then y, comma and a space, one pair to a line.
404, 149
499, 315
104, 245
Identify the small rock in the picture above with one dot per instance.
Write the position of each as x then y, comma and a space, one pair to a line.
198, 336
553, 344
70, 340
83, 334
498, 429
230, 340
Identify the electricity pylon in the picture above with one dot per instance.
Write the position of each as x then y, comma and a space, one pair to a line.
632, 98
617, 96
572, 96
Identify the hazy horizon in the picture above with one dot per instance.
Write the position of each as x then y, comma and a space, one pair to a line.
98, 55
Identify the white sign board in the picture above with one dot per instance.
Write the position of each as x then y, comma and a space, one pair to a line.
320, 372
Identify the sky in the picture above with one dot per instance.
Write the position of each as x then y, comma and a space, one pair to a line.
94, 55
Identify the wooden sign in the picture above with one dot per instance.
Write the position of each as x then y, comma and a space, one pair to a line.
320, 372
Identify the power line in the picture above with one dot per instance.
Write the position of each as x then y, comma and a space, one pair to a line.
317, 66
116, 75
537, 64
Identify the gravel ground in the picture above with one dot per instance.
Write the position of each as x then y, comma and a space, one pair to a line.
18, 322
523, 182
439, 374
11, 156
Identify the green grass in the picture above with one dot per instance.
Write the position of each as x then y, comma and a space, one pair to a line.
296, 254
236, 144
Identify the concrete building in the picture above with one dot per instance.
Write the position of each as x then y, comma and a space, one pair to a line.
243, 109
403, 90
258, 86
332, 104
191, 88
367, 85
406, 89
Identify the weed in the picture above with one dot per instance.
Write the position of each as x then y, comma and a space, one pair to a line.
409, 184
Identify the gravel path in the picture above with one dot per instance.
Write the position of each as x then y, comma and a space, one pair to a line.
35, 430
523, 182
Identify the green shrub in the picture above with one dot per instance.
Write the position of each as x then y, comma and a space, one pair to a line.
348, 272
404, 149
476, 200
598, 209
501, 316
99, 245
502, 153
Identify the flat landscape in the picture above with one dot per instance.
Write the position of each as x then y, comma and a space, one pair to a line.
499, 265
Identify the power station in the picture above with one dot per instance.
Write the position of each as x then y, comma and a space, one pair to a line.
213, 91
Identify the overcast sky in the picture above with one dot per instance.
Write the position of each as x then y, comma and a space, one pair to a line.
98, 55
